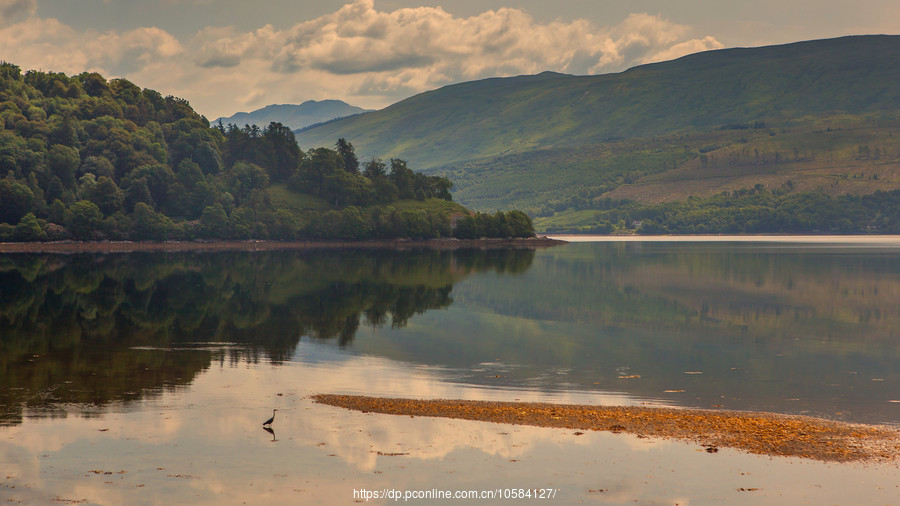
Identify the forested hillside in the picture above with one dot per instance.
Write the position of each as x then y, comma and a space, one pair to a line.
90, 159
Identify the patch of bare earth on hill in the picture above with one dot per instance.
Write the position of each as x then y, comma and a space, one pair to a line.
753, 432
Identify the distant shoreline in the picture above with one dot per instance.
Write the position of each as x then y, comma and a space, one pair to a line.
747, 238
213, 246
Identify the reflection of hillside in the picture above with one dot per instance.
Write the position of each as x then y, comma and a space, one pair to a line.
68, 323
733, 290
799, 296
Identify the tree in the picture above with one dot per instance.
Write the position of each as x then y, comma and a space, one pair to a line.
650, 227
417, 224
29, 229
15, 200
503, 227
317, 164
64, 131
285, 225
97, 165
106, 194
487, 225
83, 219
148, 224
375, 169
384, 191
158, 179
520, 224
467, 228
207, 158
283, 153
136, 191
403, 177
214, 221
439, 187
93, 84
353, 224
348, 155
343, 188
243, 223
244, 178
57, 212
63, 162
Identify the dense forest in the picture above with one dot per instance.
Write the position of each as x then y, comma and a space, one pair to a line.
89, 159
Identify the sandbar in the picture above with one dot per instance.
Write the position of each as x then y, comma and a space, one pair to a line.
754, 432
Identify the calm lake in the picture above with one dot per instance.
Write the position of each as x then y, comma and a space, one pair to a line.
144, 378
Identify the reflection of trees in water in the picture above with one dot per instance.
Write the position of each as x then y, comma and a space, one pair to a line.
68, 323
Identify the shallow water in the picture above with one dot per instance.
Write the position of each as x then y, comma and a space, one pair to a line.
145, 378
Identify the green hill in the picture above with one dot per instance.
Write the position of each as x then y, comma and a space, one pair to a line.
813, 113
492, 117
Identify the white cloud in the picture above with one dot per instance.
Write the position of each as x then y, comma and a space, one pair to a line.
224, 47
685, 48
357, 53
128, 51
49, 44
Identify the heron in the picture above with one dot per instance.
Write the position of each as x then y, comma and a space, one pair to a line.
270, 420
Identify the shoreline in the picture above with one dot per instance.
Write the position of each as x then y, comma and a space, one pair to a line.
752, 432
738, 238
72, 247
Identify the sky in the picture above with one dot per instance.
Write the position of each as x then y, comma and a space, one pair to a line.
227, 56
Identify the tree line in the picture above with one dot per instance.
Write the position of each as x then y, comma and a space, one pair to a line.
89, 159
753, 211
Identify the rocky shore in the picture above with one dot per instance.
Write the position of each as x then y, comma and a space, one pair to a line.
200, 246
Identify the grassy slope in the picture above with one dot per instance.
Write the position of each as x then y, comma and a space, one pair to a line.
859, 156
524, 180
527, 140
671, 168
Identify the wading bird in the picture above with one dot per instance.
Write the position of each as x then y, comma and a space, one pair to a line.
270, 420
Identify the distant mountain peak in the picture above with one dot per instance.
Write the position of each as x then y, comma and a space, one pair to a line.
295, 116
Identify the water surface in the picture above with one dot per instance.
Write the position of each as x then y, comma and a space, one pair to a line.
145, 377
